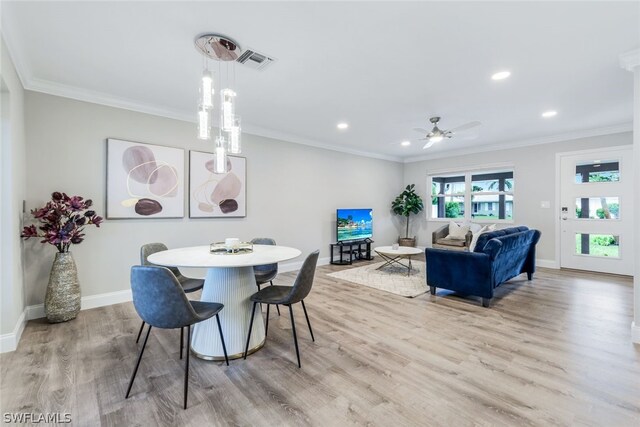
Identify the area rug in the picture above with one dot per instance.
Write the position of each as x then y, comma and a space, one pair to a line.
391, 279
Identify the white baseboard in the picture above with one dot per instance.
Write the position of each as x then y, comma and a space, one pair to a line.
547, 263
91, 301
35, 311
635, 333
117, 297
9, 342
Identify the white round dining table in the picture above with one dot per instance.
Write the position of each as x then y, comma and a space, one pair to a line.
230, 281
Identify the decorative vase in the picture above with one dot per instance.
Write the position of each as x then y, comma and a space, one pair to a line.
62, 302
407, 241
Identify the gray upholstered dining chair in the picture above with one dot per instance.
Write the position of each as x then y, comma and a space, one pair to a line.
160, 301
265, 273
188, 284
287, 295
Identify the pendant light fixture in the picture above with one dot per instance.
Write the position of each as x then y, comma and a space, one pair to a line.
235, 136
222, 49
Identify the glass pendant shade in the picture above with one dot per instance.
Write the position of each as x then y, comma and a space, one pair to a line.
206, 89
227, 105
235, 143
220, 156
204, 123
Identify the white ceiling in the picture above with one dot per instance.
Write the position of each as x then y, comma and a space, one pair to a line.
384, 67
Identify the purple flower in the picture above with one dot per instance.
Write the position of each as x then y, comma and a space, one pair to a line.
29, 231
62, 220
76, 203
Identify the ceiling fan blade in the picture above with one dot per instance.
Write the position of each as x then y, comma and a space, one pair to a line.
428, 144
424, 131
465, 127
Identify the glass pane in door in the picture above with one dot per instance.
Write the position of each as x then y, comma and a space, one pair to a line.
598, 208
598, 171
598, 245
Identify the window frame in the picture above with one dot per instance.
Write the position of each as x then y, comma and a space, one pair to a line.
468, 205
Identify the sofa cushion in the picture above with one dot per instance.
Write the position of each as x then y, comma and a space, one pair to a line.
485, 237
451, 242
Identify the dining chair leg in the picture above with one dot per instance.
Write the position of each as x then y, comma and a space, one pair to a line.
186, 370
277, 306
308, 323
181, 341
224, 347
135, 370
253, 312
140, 331
266, 323
295, 338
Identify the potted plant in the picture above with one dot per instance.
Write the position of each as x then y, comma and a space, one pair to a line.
407, 203
62, 221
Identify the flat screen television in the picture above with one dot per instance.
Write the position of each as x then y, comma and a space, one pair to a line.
354, 224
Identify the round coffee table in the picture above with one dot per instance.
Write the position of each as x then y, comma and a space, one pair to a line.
393, 256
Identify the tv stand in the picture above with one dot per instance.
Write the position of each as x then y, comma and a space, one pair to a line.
355, 249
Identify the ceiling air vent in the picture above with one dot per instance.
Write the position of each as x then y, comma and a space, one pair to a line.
255, 60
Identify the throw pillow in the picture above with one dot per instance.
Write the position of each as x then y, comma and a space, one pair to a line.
457, 232
474, 239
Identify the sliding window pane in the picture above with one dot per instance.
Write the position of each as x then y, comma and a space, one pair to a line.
598, 208
447, 207
492, 182
598, 171
449, 185
492, 206
598, 245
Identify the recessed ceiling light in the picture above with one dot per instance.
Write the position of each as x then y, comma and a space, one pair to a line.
548, 114
343, 125
501, 75
405, 143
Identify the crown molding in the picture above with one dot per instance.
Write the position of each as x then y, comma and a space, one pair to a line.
94, 97
630, 60
18, 61
567, 136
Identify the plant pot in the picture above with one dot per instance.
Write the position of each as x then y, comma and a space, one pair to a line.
407, 241
62, 301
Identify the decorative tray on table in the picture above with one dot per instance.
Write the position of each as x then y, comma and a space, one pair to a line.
221, 248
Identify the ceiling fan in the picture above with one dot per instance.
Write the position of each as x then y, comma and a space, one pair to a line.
436, 134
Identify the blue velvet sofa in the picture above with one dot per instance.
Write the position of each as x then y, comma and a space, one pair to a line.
498, 256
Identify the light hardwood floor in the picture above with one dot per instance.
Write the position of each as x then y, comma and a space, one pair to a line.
554, 351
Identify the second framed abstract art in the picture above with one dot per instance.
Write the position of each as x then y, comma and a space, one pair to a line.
217, 195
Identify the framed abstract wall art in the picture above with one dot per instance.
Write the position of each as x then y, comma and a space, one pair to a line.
144, 180
217, 195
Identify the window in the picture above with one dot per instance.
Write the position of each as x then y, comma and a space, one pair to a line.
473, 195
448, 196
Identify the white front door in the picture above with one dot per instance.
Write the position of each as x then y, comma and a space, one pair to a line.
596, 208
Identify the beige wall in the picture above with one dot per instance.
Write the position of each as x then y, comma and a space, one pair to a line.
12, 177
292, 190
535, 173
